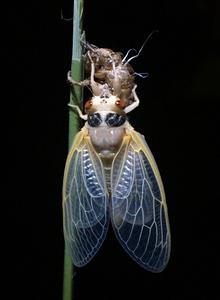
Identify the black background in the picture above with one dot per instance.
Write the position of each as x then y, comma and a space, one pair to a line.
178, 114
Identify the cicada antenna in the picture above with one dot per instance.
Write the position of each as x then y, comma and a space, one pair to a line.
139, 52
87, 45
142, 75
132, 49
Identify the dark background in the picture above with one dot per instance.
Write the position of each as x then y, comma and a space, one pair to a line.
178, 114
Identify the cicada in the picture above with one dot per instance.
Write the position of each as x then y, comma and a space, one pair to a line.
111, 177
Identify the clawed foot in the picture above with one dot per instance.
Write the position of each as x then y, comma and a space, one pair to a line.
81, 115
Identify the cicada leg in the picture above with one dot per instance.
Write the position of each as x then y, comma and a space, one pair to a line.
81, 115
136, 102
83, 83
97, 88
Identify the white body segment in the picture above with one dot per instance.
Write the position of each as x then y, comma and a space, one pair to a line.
106, 140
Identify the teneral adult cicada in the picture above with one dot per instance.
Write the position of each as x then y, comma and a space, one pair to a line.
111, 175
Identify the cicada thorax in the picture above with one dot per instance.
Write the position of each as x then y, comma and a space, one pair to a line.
106, 125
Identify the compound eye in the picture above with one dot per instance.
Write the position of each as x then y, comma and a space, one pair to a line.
115, 120
94, 120
120, 103
88, 104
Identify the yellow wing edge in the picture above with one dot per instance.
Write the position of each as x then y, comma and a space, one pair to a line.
140, 145
75, 146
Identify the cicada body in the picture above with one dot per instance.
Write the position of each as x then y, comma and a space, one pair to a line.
111, 177
111, 174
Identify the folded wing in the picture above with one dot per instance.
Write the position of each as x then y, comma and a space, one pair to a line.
84, 201
138, 207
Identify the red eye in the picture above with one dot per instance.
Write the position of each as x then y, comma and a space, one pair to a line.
88, 104
120, 103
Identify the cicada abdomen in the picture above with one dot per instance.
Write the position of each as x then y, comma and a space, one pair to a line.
111, 175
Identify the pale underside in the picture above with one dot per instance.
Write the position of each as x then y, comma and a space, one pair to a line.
132, 198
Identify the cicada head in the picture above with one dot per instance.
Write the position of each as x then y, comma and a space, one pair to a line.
108, 103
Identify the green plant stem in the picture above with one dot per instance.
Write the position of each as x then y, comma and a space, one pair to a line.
76, 98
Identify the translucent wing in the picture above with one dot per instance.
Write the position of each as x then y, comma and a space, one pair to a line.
84, 201
138, 207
